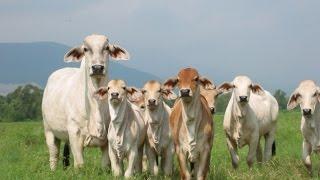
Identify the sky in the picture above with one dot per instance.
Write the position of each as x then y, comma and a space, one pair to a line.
276, 43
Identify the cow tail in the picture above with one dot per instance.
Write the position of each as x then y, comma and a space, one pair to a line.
274, 148
66, 155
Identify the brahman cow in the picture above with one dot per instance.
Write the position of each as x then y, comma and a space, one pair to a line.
211, 94
70, 112
251, 113
126, 132
159, 141
307, 95
191, 124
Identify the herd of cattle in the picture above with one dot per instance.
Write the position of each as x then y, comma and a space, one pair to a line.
82, 108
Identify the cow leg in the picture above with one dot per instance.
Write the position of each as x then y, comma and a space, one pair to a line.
53, 145
167, 164
232, 147
76, 144
132, 160
144, 159
184, 173
306, 152
252, 150
138, 164
203, 166
259, 153
105, 160
151, 155
116, 166
269, 139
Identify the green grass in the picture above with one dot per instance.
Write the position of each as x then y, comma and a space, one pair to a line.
24, 155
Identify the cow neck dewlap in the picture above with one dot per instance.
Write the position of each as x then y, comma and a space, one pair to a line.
157, 115
96, 111
239, 113
192, 116
314, 121
118, 125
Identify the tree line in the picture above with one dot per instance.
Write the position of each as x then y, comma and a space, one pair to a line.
24, 104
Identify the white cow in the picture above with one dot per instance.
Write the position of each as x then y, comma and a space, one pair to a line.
159, 143
308, 96
126, 132
70, 112
250, 114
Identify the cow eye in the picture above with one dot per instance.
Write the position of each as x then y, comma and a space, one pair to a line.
143, 91
106, 48
108, 88
315, 94
124, 88
85, 49
196, 78
159, 91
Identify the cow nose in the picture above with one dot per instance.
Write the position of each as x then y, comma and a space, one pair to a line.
115, 94
306, 112
97, 69
212, 109
185, 92
243, 98
152, 101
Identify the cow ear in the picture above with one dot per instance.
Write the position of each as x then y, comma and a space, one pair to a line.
118, 53
169, 84
256, 89
225, 87
206, 83
101, 93
294, 100
318, 91
133, 94
168, 94
74, 55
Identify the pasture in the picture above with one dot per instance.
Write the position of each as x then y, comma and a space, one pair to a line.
24, 155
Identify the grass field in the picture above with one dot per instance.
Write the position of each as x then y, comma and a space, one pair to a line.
24, 155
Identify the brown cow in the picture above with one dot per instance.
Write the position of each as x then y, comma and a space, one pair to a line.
191, 124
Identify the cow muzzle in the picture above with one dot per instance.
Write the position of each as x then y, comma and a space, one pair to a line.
212, 110
114, 97
97, 70
152, 104
243, 99
185, 93
307, 112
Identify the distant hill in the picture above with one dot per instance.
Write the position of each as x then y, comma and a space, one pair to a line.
22, 63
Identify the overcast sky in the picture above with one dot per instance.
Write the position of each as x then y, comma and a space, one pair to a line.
276, 43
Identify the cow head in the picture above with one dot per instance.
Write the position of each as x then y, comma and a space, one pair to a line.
210, 93
96, 50
154, 94
116, 92
188, 82
307, 95
242, 88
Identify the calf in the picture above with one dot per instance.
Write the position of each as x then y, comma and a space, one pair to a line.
191, 125
159, 140
211, 94
126, 131
70, 113
250, 114
307, 95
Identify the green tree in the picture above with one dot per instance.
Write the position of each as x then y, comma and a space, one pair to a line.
282, 99
22, 104
222, 102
